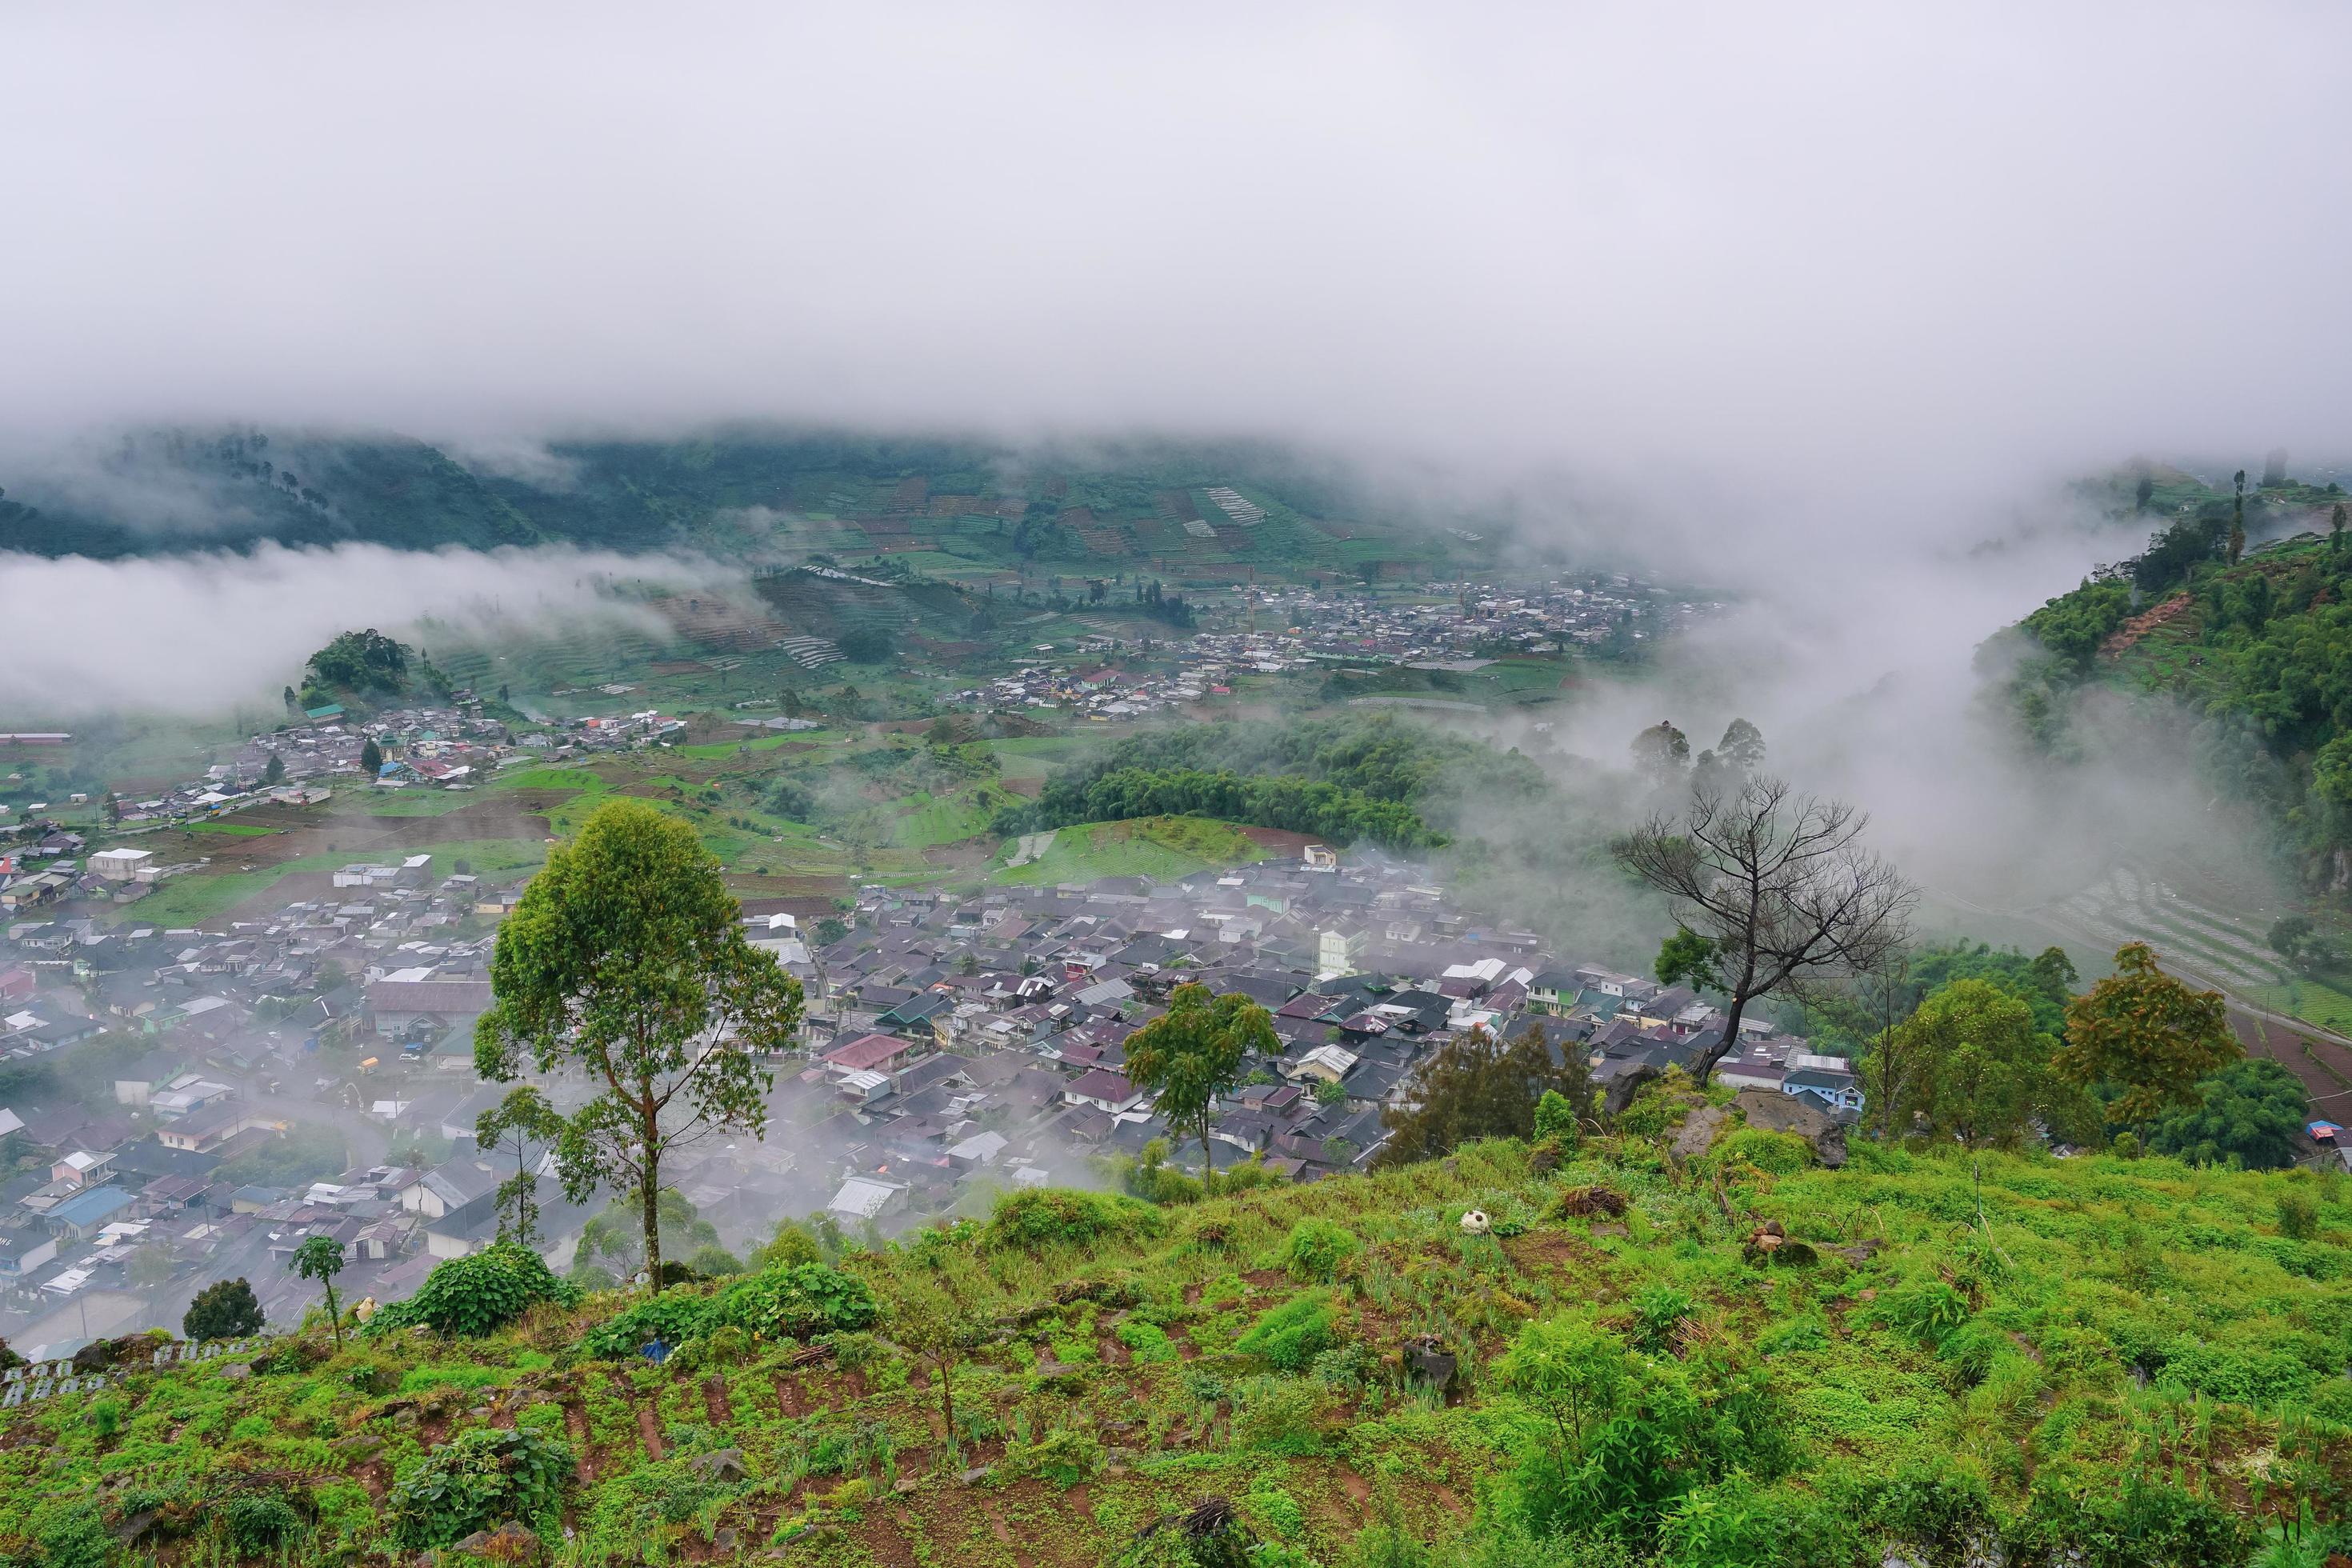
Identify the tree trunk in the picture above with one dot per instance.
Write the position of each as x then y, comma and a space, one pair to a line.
334, 1318
947, 1397
649, 1195
1705, 1064
1208, 1155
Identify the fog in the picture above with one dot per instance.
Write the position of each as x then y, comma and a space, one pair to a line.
1804, 303
201, 631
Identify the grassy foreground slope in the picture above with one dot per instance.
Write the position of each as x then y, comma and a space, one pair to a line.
2134, 1360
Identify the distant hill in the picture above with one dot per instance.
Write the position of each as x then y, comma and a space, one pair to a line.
1219, 514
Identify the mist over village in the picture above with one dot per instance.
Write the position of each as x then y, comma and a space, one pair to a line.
1283, 787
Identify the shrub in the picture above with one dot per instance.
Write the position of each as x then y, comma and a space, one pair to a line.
1658, 1314
1935, 1511
799, 1302
1806, 1333
1774, 1154
1041, 1217
1315, 1249
2141, 1522
1926, 1311
674, 1316
257, 1522
1148, 1342
1278, 1415
225, 1309
478, 1294
1290, 1336
1556, 1120
2298, 1215
1064, 1456
479, 1478
1736, 1521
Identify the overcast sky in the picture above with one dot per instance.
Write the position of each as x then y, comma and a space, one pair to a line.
1903, 243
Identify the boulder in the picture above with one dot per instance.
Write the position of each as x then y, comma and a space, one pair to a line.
1780, 1113
236, 1370
1698, 1131
720, 1465
1623, 1089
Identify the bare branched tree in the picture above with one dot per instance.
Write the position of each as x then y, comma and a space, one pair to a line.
1771, 891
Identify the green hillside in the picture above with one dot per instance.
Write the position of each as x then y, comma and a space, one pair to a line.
942, 508
2256, 640
2099, 1361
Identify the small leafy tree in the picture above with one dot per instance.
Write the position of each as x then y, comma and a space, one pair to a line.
524, 1119
2252, 1114
1981, 1070
2147, 1035
626, 959
1193, 1052
1477, 1086
321, 1257
225, 1309
935, 1311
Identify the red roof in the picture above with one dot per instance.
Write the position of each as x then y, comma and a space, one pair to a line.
869, 1051
1101, 1084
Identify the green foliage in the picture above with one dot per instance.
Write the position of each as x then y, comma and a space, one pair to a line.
225, 1309
1036, 1218
1475, 1086
798, 1302
673, 1316
1975, 1068
1330, 812
1557, 1119
2251, 1115
361, 661
1734, 1520
2138, 1523
257, 1522
1193, 1052
1928, 1311
1774, 1154
1315, 1249
624, 957
2147, 1035
478, 1478
1290, 1335
477, 1294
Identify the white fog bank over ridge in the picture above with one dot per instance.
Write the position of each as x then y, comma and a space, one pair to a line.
202, 632
1853, 254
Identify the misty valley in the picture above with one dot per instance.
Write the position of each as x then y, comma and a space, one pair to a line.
906, 984
1297, 786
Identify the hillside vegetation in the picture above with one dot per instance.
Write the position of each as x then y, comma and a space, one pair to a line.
2258, 645
1637, 1350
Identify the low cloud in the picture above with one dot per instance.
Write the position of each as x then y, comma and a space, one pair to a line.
200, 632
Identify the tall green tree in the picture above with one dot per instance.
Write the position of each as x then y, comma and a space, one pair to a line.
2146, 1036
626, 959
321, 1257
524, 1120
1979, 1071
2238, 519
1193, 1053
2336, 529
370, 757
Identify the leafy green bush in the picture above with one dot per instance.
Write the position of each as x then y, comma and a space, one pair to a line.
1291, 1335
1805, 1334
2298, 1215
1147, 1341
674, 1316
1278, 1415
1774, 1154
1926, 1311
2097, 1525
1736, 1521
1658, 1314
798, 1302
478, 1294
257, 1522
1064, 1456
1040, 1217
1315, 1249
478, 1478
1555, 1122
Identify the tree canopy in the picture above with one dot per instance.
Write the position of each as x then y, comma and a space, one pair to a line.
1478, 1086
626, 960
2251, 1115
1193, 1053
2146, 1035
